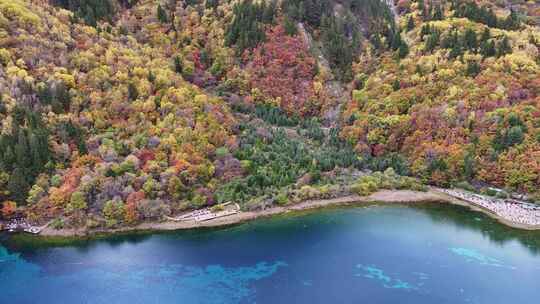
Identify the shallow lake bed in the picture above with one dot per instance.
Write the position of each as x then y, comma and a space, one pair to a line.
433, 253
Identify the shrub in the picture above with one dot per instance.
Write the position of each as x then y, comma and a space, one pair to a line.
57, 224
8, 208
490, 192
282, 198
465, 185
77, 202
198, 201
221, 152
113, 212
369, 184
365, 187
502, 194
35, 193
56, 180
217, 208
153, 209
92, 223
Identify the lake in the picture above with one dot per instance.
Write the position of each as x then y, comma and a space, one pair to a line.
373, 254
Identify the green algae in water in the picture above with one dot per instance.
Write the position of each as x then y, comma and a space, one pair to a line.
377, 274
472, 255
217, 283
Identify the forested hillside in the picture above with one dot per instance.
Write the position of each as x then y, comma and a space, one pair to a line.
103, 119
115, 112
463, 105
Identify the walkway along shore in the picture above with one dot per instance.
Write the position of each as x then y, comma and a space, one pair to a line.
21, 225
434, 195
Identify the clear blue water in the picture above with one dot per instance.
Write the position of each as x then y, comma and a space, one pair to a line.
376, 254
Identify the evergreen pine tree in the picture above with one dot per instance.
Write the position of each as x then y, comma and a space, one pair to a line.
453, 5
290, 26
18, 185
426, 30
268, 12
22, 150
486, 35
468, 168
396, 41
45, 95
449, 40
178, 65
89, 16
151, 77
532, 40
456, 51
313, 10
8, 158
421, 5
376, 41
133, 93
487, 48
429, 12
403, 49
213, 4
37, 158
161, 14
438, 14
490, 19
396, 85
61, 98
504, 47
3, 109
432, 41
473, 68
247, 28
469, 40
418, 70
512, 21
410, 24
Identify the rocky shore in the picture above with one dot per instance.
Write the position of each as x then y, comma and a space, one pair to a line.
509, 211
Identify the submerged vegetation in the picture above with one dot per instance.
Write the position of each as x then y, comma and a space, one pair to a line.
115, 112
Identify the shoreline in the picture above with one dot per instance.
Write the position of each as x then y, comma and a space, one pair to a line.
383, 197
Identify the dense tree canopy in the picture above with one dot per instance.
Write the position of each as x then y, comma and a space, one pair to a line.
118, 111
466, 102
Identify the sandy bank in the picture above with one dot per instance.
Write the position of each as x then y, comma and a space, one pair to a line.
384, 196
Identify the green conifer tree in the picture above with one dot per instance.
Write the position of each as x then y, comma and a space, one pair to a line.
18, 185
403, 50
504, 47
161, 14
410, 24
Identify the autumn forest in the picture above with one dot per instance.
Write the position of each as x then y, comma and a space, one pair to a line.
117, 112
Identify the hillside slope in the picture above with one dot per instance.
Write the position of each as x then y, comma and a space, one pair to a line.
117, 112
100, 118
463, 105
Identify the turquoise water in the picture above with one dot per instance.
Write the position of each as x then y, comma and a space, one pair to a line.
376, 254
